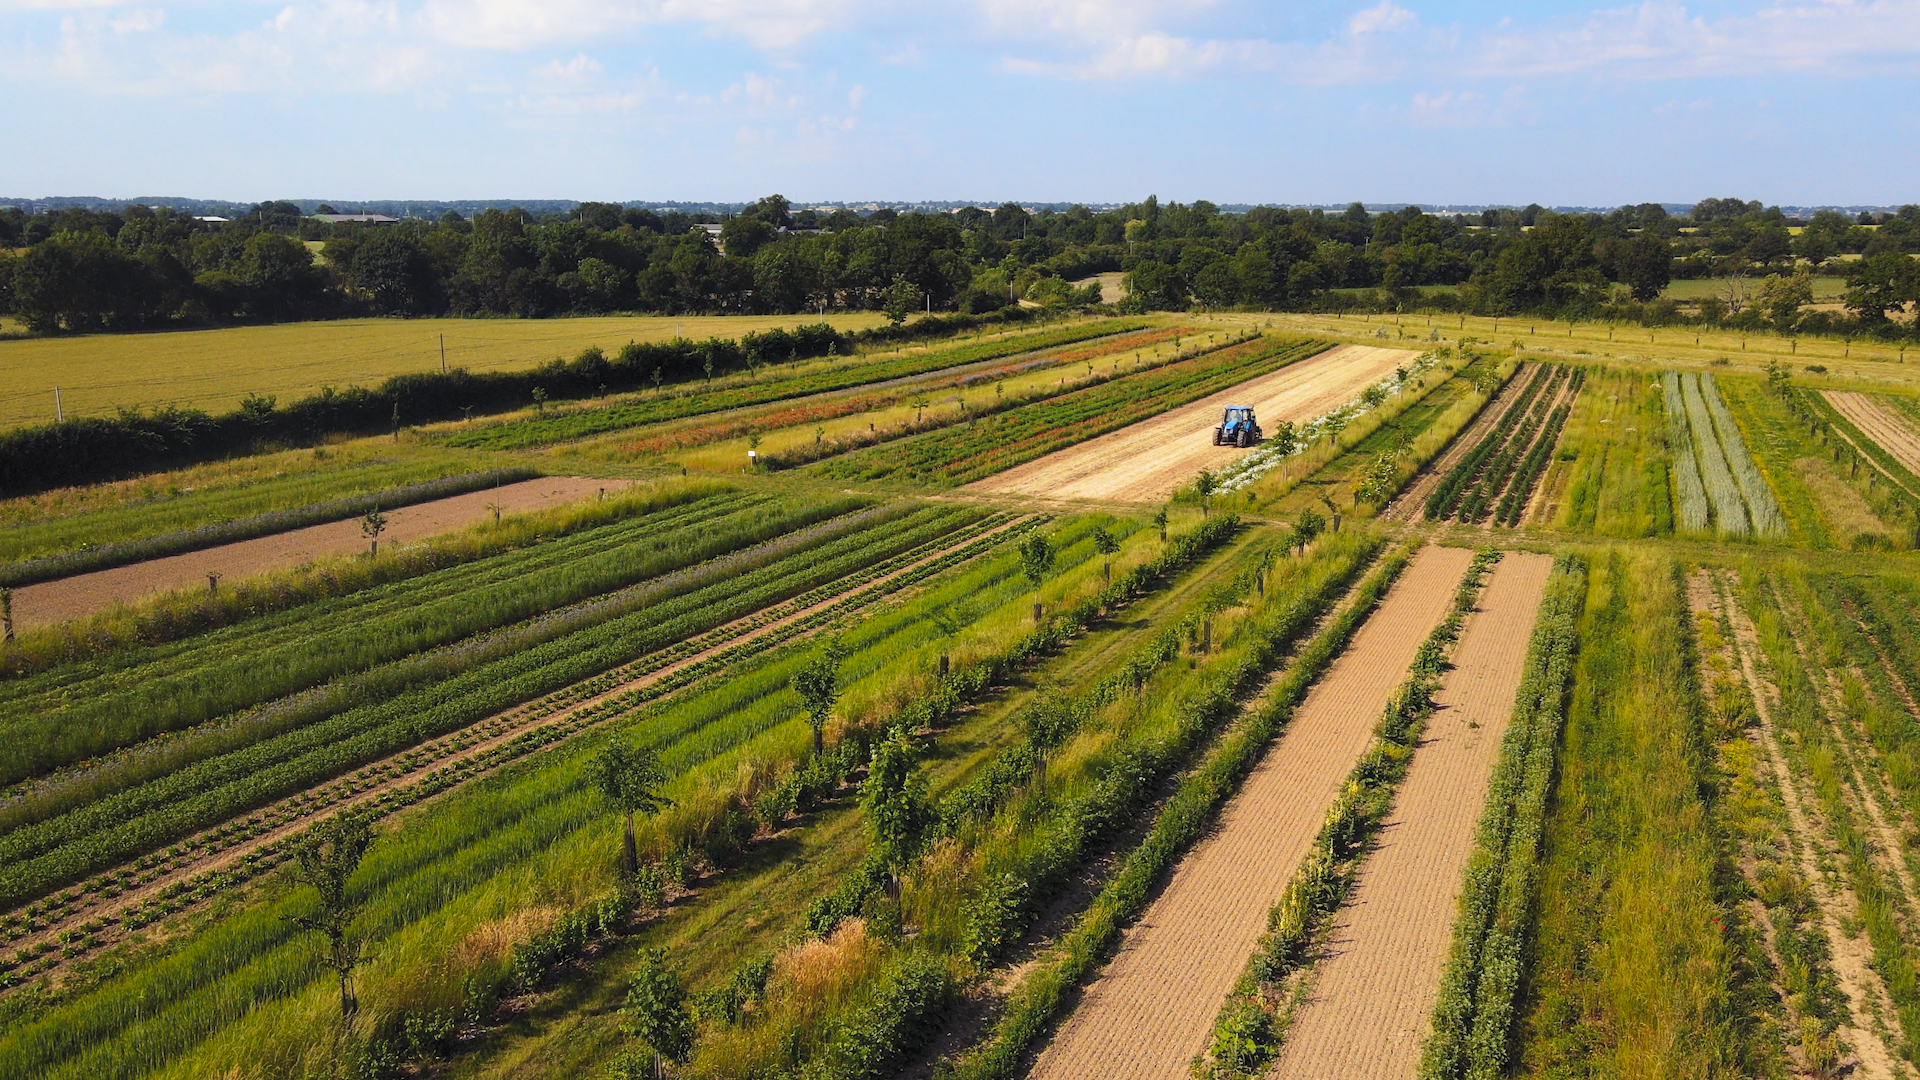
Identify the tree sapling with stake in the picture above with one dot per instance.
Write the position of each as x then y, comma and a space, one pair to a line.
818, 684
326, 855
630, 778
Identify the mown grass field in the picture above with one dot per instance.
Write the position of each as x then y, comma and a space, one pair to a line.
1696, 858
215, 369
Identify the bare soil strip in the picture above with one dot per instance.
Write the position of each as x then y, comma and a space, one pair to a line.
427, 765
1150, 1012
89, 594
1375, 989
1411, 505
1893, 433
1867, 997
1148, 461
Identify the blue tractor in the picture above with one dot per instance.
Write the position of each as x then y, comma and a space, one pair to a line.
1237, 427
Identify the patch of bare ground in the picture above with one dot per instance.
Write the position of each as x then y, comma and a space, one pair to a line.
407, 777
1375, 988
1854, 411
1865, 1033
1411, 503
1874, 420
1148, 461
89, 594
1151, 1009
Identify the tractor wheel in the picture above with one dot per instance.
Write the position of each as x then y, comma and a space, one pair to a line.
1244, 441
1216, 436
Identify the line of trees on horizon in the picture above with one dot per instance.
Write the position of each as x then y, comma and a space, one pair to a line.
77, 270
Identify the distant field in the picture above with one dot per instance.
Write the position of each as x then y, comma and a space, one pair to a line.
214, 369
1825, 288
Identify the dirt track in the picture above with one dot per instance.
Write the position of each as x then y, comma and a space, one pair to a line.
1371, 998
89, 594
1152, 1008
1149, 460
1876, 422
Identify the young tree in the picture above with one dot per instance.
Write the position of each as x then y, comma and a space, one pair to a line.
630, 778
1036, 558
1305, 527
371, 526
1160, 522
1106, 545
326, 855
898, 813
899, 299
818, 684
657, 1013
1781, 298
1205, 485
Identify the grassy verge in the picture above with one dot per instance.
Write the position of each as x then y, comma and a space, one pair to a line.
1631, 970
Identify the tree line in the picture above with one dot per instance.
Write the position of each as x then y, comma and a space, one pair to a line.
78, 270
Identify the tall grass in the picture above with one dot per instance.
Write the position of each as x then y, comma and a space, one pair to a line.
1692, 511
1723, 491
1762, 507
1629, 973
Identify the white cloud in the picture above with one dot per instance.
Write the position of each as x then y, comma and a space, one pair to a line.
856, 95
1656, 40
1383, 17
770, 25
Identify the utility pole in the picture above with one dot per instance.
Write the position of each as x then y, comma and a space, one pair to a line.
443, 354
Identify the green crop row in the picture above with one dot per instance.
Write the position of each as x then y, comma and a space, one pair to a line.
130, 646
536, 825
1473, 1019
1513, 504
62, 849
1020, 845
1247, 1033
1039, 999
853, 593
122, 553
1446, 497
579, 424
386, 639
1820, 753
959, 455
88, 647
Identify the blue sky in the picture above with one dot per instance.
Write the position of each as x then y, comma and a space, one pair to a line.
1789, 101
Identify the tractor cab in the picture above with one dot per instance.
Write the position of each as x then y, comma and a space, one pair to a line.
1237, 427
